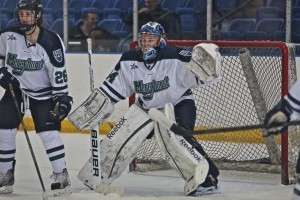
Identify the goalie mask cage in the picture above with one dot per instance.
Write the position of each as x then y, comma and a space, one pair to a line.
255, 76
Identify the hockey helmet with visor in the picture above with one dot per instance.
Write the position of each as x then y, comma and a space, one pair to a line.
150, 39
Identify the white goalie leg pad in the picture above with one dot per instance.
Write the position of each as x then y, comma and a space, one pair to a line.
85, 176
122, 143
93, 111
120, 146
189, 163
205, 63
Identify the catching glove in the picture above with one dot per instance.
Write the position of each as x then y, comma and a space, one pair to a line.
62, 109
7, 78
276, 119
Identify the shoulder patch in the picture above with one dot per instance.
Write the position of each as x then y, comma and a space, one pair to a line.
58, 55
185, 53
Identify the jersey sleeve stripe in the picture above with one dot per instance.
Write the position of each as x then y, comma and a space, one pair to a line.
293, 99
48, 89
114, 91
60, 88
293, 102
41, 95
109, 96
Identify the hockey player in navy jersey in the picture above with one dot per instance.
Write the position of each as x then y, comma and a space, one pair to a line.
158, 74
32, 61
276, 123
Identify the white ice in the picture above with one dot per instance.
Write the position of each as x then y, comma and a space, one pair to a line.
164, 185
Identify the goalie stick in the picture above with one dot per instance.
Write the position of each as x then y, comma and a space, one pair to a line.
95, 144
94, 134
259, 102
161, 118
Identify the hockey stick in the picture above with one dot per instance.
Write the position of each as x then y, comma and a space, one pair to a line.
94, 135
163, 120
95, 144
45, 196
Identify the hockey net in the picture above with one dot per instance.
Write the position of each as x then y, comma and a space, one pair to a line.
255, 76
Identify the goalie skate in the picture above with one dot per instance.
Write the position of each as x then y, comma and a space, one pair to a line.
61, 183
7, 181
210, 186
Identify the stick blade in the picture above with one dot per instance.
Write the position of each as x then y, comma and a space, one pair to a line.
110, 190
45, 196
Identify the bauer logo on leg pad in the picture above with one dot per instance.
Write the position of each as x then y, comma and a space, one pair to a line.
95, 150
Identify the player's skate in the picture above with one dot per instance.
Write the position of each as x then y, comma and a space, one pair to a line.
61, 183
209, 186
7, 181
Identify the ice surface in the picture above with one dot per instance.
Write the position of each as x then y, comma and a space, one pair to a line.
164, 185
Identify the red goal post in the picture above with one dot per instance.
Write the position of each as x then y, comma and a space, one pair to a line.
255, 76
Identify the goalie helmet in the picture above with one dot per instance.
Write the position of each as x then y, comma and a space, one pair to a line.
36, 7
150, 39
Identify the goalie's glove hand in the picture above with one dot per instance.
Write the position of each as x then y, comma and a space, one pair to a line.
62, 108
277, 119
7, 78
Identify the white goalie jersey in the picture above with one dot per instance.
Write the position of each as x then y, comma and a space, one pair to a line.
40, 68
167, 80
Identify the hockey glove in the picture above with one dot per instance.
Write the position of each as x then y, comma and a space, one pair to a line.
276, 119
61, 109
7, 78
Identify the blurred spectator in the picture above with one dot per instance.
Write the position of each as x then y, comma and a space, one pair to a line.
103, 40
150, 12
83, 30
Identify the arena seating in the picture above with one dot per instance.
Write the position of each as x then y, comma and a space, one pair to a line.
264, 29
171, 5
111, 24
189, 22
237, 29
296, 30
58, 24
3, 22
269, 12
268, 25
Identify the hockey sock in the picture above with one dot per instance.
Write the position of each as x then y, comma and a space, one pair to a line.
7, 149
55, 149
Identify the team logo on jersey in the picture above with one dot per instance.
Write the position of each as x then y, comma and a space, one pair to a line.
11, 37
185, 53
148, 89
20, 65
134, 66
58, 55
